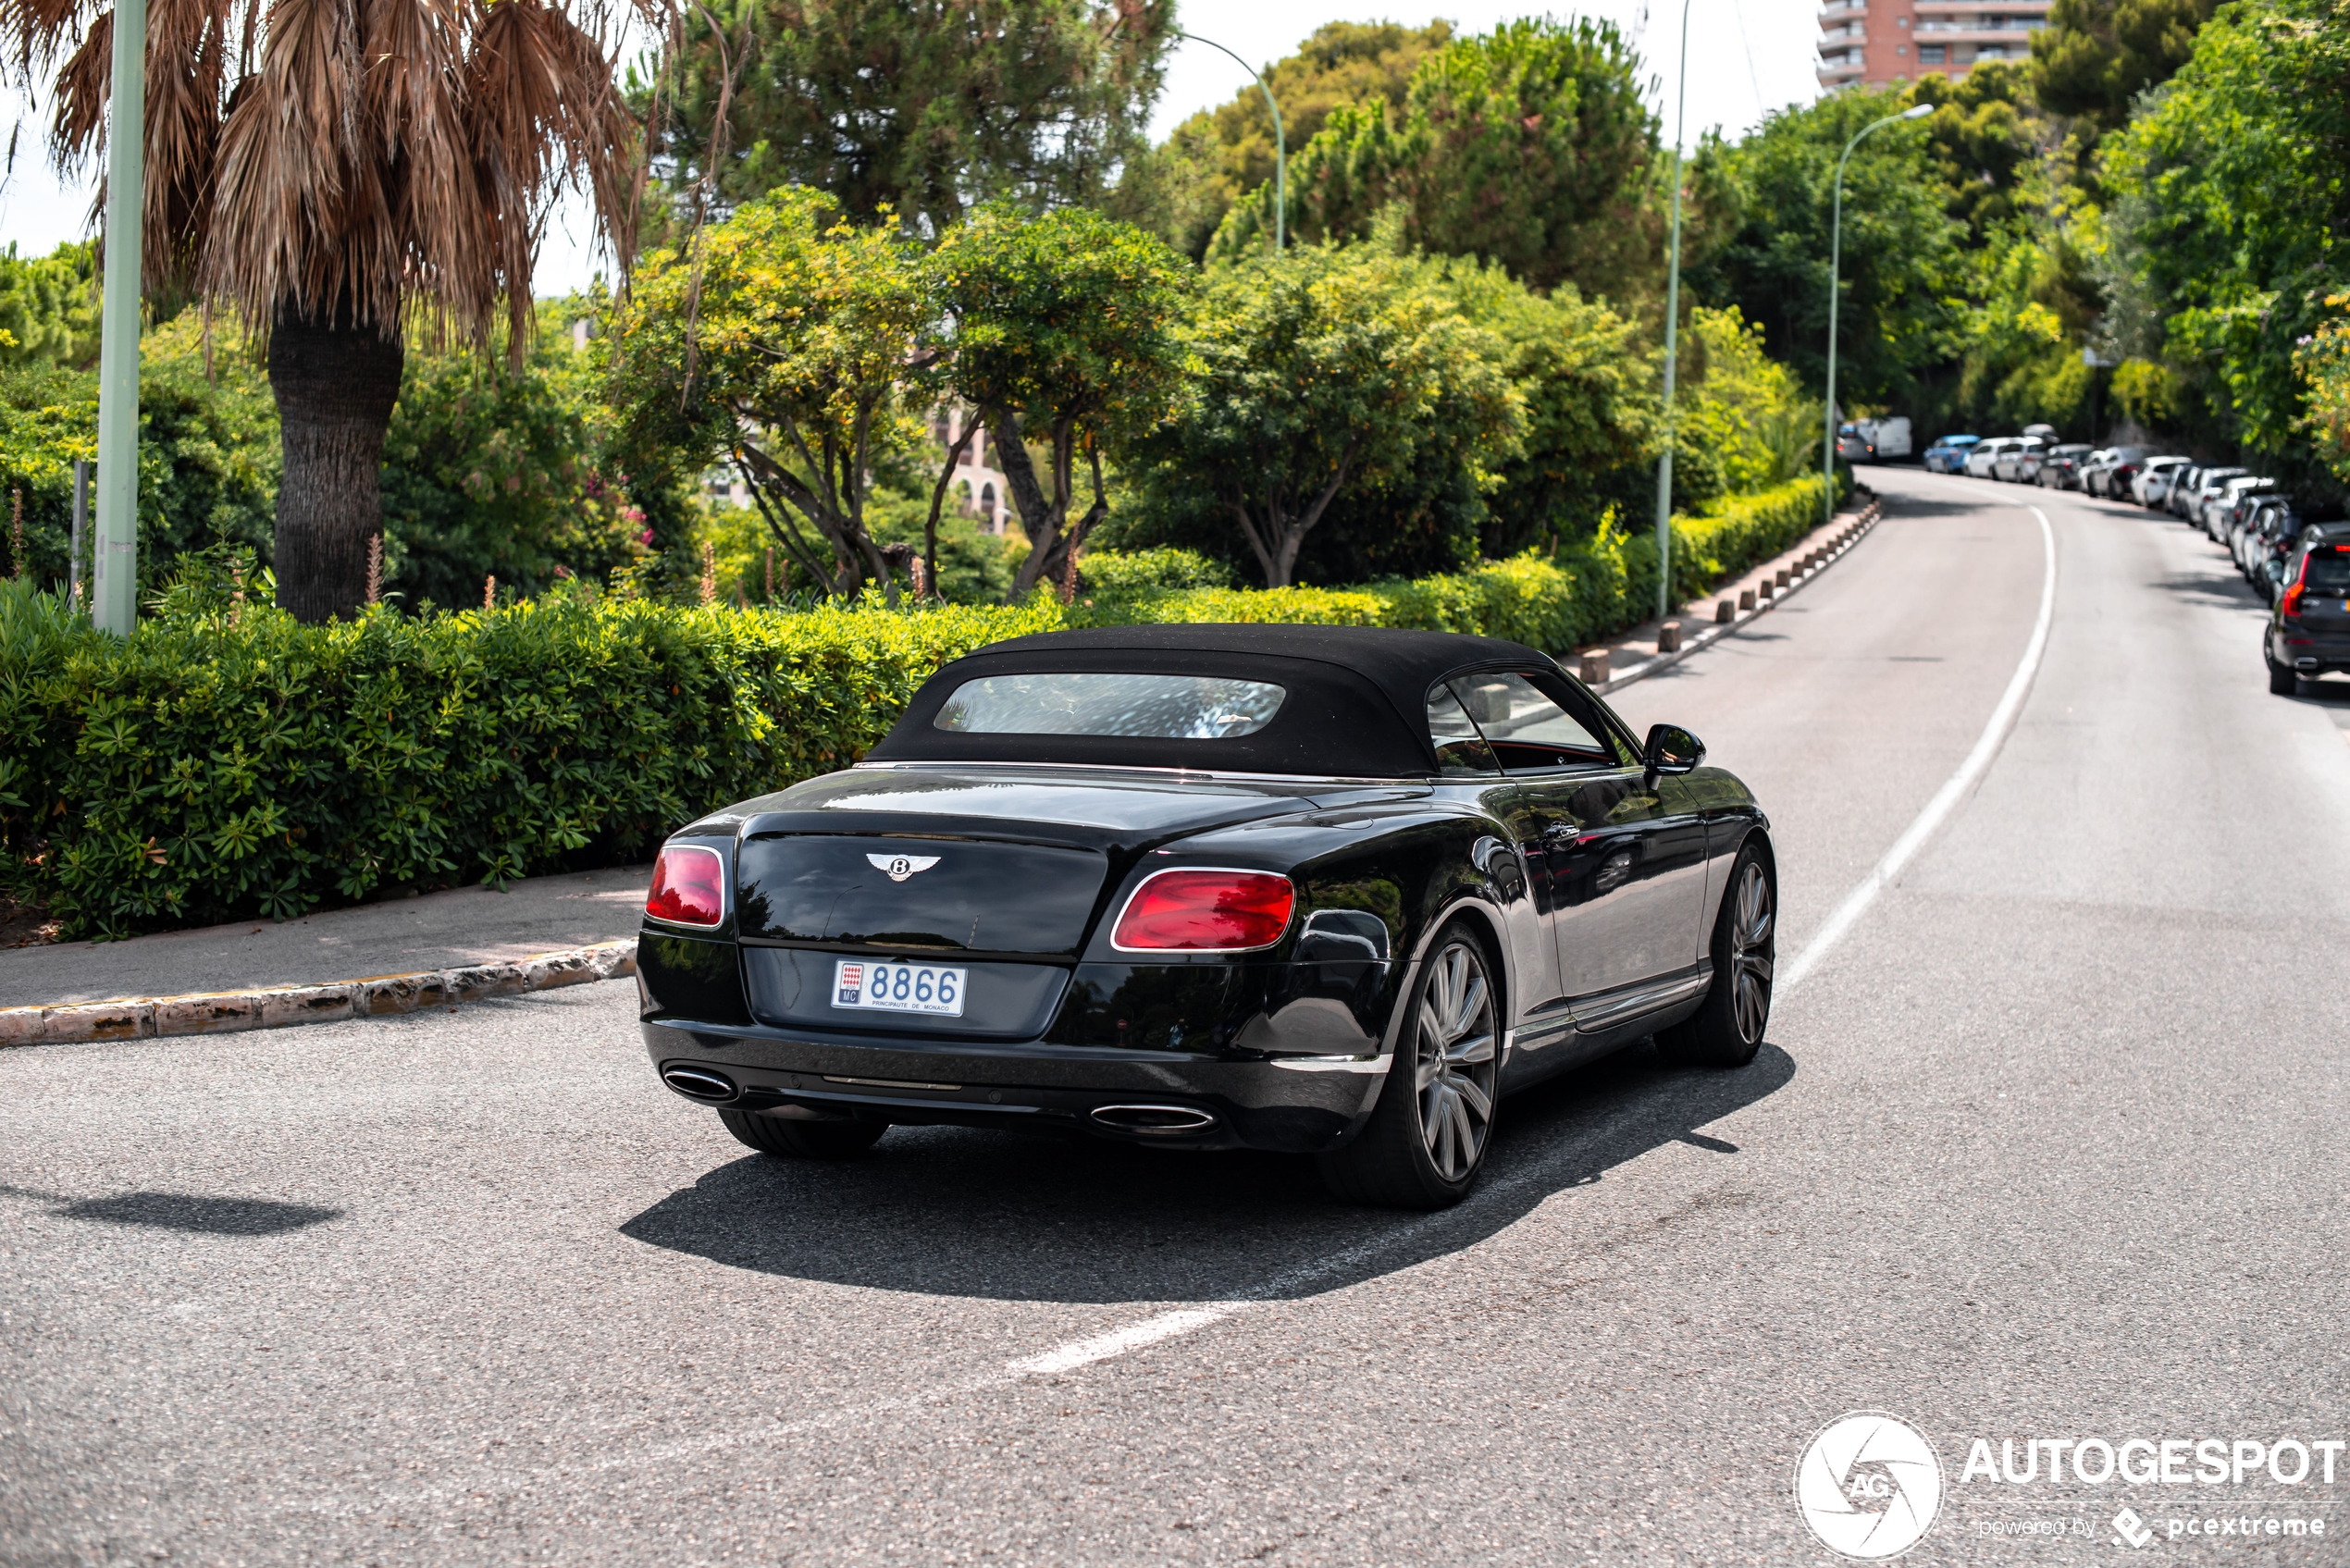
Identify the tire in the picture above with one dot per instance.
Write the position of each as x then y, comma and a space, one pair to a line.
1727, 1027
2281, 681
803, 1140
1429, 1135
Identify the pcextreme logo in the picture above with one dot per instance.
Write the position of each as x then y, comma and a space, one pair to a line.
1869, 1485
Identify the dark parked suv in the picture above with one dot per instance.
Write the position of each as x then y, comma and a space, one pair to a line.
2309, 629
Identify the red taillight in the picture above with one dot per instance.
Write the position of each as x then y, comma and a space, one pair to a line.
2290, 606
1205, 912
689, 886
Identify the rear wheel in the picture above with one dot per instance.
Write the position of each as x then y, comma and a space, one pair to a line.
2283, 682
1727, 1029
1428, 1136
803, 1140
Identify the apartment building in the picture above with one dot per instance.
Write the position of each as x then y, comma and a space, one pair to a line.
1877, 41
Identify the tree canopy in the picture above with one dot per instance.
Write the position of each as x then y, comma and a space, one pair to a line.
2095, 56
1181, 189
923, 109
1532, 146
2231, 206
1338, 373
1901, 245
49, 306
1066, 335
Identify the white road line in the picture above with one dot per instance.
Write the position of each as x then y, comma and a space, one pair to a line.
1945, 799
1118, 1341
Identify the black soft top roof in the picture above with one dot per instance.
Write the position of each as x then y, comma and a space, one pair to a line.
1358, 703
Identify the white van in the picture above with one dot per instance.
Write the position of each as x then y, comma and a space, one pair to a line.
1890, 437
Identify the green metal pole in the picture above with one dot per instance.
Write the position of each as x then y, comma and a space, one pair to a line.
1672, 344
1281, 144
113, 602
1836, 267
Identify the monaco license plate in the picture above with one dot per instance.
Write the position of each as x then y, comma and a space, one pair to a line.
898, 988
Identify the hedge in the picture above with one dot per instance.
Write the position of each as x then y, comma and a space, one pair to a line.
1554, 603
225, 761
212, 768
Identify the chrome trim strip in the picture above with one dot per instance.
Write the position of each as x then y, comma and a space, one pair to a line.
1527, 1034
1373, 1065
890, 1084
1611, 1008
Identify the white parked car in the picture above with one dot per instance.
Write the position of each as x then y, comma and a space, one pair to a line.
2020, 459
2153, 483
1985, 453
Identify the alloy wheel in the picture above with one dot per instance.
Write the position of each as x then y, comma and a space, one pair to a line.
1753, 947
1457, 1061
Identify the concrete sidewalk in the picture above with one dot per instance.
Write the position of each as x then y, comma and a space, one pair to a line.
463, 928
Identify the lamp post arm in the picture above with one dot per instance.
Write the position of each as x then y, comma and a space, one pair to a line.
1280, 141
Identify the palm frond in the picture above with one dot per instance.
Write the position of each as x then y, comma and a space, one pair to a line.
374, 161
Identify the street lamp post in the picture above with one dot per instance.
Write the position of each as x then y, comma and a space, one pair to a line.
1836, 265
1280, 143
114, 597
1672, 341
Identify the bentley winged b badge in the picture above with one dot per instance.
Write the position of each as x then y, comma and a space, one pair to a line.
900, 867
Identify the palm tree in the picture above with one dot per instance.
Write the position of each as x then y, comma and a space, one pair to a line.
335, 174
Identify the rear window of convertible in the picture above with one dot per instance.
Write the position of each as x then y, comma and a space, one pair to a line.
1089, 703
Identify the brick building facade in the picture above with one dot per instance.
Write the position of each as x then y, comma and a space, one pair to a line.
1881, 41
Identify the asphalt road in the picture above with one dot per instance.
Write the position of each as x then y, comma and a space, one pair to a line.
2049, 1145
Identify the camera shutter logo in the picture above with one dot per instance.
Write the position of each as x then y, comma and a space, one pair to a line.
1868, 1485
897, 868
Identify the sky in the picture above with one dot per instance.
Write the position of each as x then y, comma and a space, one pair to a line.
1746, 58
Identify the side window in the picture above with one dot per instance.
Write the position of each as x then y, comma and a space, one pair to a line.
1459, 748
1529, 730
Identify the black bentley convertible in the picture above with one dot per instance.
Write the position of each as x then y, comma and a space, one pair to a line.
1329, 891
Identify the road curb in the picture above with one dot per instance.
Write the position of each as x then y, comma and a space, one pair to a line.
233, 1012
1713, 632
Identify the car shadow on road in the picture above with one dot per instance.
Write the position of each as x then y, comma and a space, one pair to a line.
955, 1211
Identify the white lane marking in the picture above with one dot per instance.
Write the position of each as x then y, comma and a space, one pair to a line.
1945, 799
1118, 1341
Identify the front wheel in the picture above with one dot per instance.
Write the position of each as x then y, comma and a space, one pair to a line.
803, 1140
1726, 1029
1427, 1136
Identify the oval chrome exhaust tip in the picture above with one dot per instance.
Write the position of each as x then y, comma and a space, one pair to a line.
699, 1083
1156, 1121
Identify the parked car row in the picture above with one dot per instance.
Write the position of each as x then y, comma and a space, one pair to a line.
2037, 457
2299, 565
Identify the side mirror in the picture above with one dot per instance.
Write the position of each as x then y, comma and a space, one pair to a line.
1672, 749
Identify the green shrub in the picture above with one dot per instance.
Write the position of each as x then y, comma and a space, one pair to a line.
236, 763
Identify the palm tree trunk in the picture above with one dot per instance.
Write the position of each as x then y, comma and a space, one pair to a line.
336, 381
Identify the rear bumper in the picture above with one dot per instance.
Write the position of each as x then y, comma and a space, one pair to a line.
1287, 1104
2309, 656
